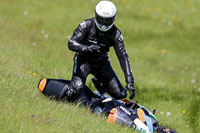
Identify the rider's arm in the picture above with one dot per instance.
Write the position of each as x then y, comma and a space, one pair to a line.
123, 57
78, 35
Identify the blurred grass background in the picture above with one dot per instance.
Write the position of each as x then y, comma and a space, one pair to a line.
161, 38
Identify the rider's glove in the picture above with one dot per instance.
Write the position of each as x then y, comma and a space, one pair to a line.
92, 48
130, 87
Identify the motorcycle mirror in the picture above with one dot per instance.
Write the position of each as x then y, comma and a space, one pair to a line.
154, 111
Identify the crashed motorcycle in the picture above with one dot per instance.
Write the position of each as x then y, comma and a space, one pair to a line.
125, 112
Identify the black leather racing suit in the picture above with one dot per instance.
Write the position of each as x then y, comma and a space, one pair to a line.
97, 63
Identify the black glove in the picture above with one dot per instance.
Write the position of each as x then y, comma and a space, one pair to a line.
92, 48
130, 87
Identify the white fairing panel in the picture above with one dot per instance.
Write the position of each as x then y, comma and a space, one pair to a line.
141, 126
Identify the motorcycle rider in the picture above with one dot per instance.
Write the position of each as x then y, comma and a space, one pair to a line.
91, 41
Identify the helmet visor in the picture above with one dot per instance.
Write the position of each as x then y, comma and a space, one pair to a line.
104, 21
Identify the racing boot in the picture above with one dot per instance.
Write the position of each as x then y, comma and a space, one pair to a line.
98, 85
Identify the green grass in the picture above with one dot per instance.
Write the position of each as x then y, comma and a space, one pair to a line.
161, 38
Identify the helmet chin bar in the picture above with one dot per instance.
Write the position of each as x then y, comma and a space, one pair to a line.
103, 28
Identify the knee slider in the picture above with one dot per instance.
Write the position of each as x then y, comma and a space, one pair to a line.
71, 94
73, 90
77, 85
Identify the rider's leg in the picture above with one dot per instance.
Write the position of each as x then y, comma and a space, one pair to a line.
98, 85
109, 79
80, 73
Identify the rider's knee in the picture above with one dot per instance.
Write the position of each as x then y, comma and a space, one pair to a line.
74, 89
119, 95
116, 89
77, 84
117, 92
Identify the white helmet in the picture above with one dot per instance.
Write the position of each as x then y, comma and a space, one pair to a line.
105, 13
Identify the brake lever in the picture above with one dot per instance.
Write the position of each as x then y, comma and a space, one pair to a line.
133, 106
